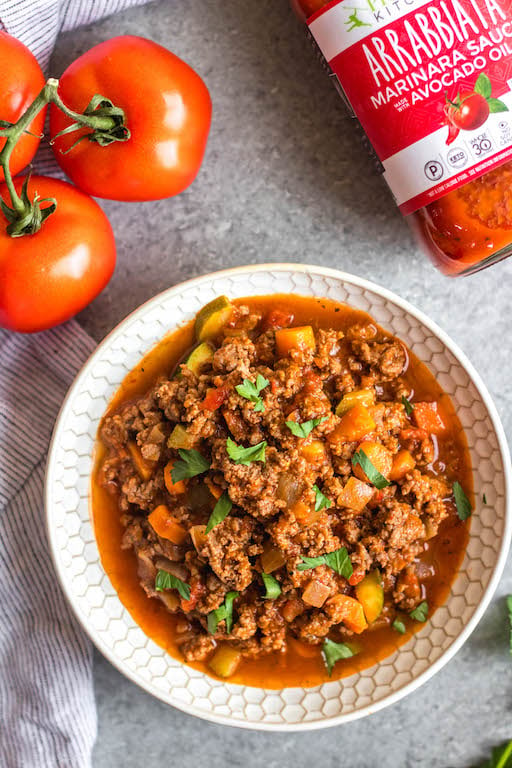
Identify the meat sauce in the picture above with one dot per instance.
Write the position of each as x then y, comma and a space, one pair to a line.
301, 664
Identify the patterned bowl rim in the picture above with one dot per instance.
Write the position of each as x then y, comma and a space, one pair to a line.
405, 306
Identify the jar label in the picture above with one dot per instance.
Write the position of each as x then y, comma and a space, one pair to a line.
430, 82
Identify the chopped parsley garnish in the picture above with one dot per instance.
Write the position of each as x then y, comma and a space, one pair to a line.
251, 391
399, 626
321, 501
272, 586
241, 455
192, 463
220, 511
484, 498
333, 652
338, 560
373, 474
420, 613
501, 757
304, 429
509, 606
223, 613
165, 580
462, 502
409, 407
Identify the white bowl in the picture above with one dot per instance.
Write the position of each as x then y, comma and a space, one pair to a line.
109, 624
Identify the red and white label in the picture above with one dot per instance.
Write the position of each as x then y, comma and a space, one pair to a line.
431, 83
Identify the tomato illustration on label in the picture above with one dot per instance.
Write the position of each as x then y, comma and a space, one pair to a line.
469, 111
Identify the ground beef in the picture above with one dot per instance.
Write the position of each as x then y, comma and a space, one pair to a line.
274, 518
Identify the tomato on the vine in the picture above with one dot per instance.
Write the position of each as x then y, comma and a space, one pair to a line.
167, 112
22, 79
49, 276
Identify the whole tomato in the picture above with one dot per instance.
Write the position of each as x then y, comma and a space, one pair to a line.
22, 79
48, 277
168, 113
470, 113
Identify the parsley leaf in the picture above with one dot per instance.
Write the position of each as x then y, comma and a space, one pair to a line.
321, 501
165, 580
462, 502
251, 391
220, 511
241, 455
333, 652
272, 586
484, 498
509, 606
409, 407
373, 474
501, 757
223, 613
338, 560
304, 429
399, 626
420, 613
192, 464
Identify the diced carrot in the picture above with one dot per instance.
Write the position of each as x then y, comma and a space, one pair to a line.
173, 488
355, 495
198, 536
313, 452
276, 318
379, 456
166, 526
427, 417
304, 514
305, 650
225, 661
287, 339
403, 463
349, 611
354, 425
215, 396
214, 489
292, 608
315, 593
144, 468
271, 558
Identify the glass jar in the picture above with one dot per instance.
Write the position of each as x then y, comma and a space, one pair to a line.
469, 226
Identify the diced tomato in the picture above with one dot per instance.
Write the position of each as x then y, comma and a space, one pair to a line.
356, 578
214, 398
276, 318
313, 383
197, 589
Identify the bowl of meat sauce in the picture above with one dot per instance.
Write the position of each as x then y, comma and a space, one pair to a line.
291, 505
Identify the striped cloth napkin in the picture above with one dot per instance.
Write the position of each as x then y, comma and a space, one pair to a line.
47, 709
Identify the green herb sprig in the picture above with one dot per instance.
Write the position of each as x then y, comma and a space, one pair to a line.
304, 429
166, 580
272, 586
245, 456
371, 472
192, 463
251, 391
409, 407
338, 560
220, 511
420, 613
333, 652
223, 613
462, 502
321, 501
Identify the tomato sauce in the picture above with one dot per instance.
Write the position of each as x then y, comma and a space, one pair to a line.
301, 664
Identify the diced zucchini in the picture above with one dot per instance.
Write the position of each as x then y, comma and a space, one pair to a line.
180, 438
225, 661
364, 397
202, 354
211, 319
370, 594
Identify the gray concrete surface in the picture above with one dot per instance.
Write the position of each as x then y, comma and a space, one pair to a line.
285, 179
